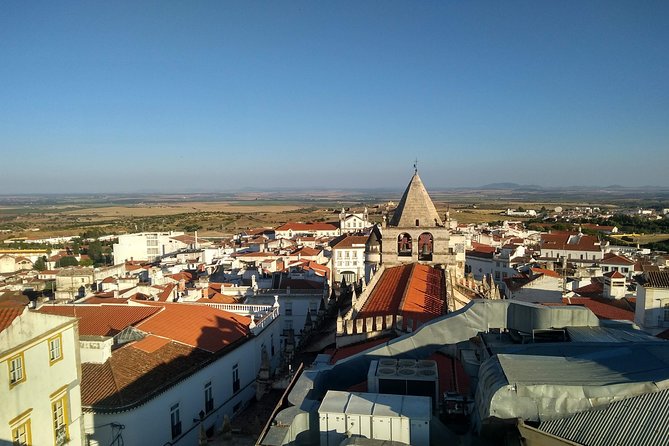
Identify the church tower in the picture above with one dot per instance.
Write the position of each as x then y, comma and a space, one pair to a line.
416, 233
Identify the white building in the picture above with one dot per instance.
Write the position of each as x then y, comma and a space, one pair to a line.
348, 259
166, 382
39, 378
539, 286
652, 301
147, 246
350, 223
293, 229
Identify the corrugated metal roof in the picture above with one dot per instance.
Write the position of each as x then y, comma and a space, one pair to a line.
641, 420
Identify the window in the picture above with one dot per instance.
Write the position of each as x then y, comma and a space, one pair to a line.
288, 323
313, 308
288, 308
20, 426
17, 373
235, 378
59, 416
175, 420
666, 312
55, 349
271, 340
208, 398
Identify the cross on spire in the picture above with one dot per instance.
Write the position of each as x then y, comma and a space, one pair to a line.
415, 166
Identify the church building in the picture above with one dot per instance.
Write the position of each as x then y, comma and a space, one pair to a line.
416, 233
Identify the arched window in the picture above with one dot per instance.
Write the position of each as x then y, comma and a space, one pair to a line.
404, 245
425, 246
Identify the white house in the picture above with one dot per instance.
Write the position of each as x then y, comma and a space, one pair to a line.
348, 258
571, 246
614, 262
652, 301
167, 381
351, 223
40, 379
540, 286
292, 229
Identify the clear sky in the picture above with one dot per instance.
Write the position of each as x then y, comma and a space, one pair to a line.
132, 96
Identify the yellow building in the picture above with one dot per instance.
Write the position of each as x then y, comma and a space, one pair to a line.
40, 379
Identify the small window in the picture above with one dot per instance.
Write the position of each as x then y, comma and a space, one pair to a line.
288, 308
21, 435
55, 349
417, 222
271, 340
59, 417
236, 385
666, 312
17, 372
208, 398
175, 421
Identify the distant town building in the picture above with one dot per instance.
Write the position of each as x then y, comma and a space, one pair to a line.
149, 246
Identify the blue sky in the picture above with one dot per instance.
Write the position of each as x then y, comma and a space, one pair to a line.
212, 96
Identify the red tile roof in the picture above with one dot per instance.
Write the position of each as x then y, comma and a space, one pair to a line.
594, 289
614, 259
8, 314
570, 242
414, 291
614, 275
199, 326
546, 272
150, 343
132, 376
344, 352
102, 320
349, 241
601, 308
306, 251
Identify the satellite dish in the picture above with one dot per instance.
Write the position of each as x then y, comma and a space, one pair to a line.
558, 209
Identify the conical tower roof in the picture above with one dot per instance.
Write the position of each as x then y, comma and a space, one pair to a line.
415, 206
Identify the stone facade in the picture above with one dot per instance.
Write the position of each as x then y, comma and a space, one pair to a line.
416, 233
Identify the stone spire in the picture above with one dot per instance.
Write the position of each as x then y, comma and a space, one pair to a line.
415, 206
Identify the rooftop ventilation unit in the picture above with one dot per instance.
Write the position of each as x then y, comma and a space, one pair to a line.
404, 377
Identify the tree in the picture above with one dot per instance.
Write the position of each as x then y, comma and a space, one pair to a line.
86, 262
67, 261
40, 264
95, 252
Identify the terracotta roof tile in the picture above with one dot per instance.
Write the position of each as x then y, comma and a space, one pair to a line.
414, 291
602, 309
614, 275
351, 240
655, 279
8, 314
102, 320
199, 326
546, 272
614, 259
132, 376
150, 343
